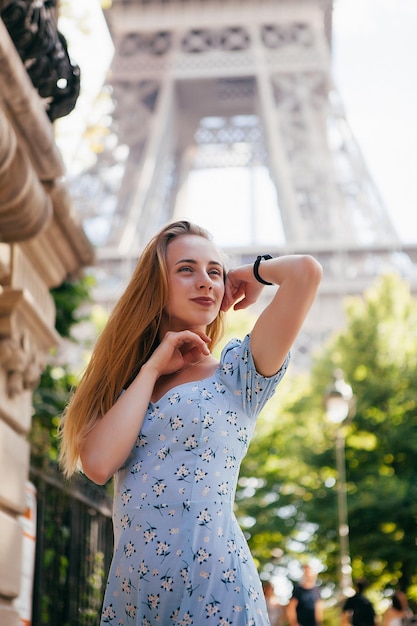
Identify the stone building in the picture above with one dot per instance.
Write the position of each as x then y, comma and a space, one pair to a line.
41, 245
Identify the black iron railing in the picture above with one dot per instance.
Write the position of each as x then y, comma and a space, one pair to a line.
74, 544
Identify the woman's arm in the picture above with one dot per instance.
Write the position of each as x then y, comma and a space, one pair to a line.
292, 611
108, 444
298, 278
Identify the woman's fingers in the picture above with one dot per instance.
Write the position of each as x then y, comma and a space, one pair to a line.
178, 349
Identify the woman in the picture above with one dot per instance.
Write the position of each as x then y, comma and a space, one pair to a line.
156, 410
398, 614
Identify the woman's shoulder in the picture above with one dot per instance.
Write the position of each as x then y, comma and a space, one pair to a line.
238, 352
232, 344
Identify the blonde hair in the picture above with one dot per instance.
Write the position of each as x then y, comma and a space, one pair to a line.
126, 343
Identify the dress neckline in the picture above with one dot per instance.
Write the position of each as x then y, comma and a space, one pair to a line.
183, 384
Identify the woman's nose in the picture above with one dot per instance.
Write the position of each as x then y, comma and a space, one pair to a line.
205, 281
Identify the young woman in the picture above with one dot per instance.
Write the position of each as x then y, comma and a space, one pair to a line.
156, 410
399, 613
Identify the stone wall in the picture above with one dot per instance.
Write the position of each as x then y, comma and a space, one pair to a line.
41, 245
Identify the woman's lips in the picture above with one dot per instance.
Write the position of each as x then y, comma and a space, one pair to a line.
203, 301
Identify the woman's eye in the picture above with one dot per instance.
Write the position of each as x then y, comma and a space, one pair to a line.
186, 268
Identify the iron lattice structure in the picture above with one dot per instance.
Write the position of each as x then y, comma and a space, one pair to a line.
242, 83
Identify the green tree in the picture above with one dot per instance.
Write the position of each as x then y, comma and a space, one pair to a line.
57, 380
286, 499
378, 354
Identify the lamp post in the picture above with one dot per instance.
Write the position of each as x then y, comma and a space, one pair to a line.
339, 403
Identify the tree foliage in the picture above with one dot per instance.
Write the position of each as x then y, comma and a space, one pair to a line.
57, 380
287, 487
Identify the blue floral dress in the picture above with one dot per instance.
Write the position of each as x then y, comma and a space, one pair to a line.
180, 556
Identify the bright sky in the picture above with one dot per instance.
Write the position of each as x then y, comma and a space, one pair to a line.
374, 57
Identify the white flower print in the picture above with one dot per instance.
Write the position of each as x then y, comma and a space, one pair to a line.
253, 593
131, 610
143, 569
231, 417
204, 517
242, 435
182, 472
108, 614
212, 608
206, 394
184, 572
219, 387
174, 398
207, 455
153, 600
231, 544
167, 582
176, 422
223, 489
248, 394
229, 576
126, 521
208, 420
243, 555
136, 468
230, 462
162, 548
159, 487
149, 534
175, 538
127, 586
227, 368
191, 443
199, 474
202, 555
141, 441
163, 453
129, 549
126, 496
186, 620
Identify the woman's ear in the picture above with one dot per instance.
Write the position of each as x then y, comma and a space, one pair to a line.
226, 304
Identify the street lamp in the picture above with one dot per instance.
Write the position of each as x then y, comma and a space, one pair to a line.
339, 403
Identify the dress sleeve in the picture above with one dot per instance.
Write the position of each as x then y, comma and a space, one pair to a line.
238, 373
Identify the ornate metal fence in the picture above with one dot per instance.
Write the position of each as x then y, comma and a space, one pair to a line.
73, 550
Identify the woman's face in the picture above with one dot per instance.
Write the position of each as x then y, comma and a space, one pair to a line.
195, 283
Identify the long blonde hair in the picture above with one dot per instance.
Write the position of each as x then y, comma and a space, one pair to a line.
127, 341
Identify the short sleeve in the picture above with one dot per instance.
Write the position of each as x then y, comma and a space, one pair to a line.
238, 373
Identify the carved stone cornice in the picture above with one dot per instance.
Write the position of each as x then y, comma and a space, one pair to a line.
60, 248
25, 339
25, 207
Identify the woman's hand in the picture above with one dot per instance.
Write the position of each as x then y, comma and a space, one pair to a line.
177, 350
241, 288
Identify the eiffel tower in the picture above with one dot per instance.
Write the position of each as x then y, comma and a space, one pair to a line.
226, 86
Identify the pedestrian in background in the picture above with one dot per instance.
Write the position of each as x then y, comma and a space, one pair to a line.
276, 611
358, 610
305, 607
399, 613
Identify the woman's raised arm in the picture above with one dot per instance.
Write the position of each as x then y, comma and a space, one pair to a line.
298, 278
